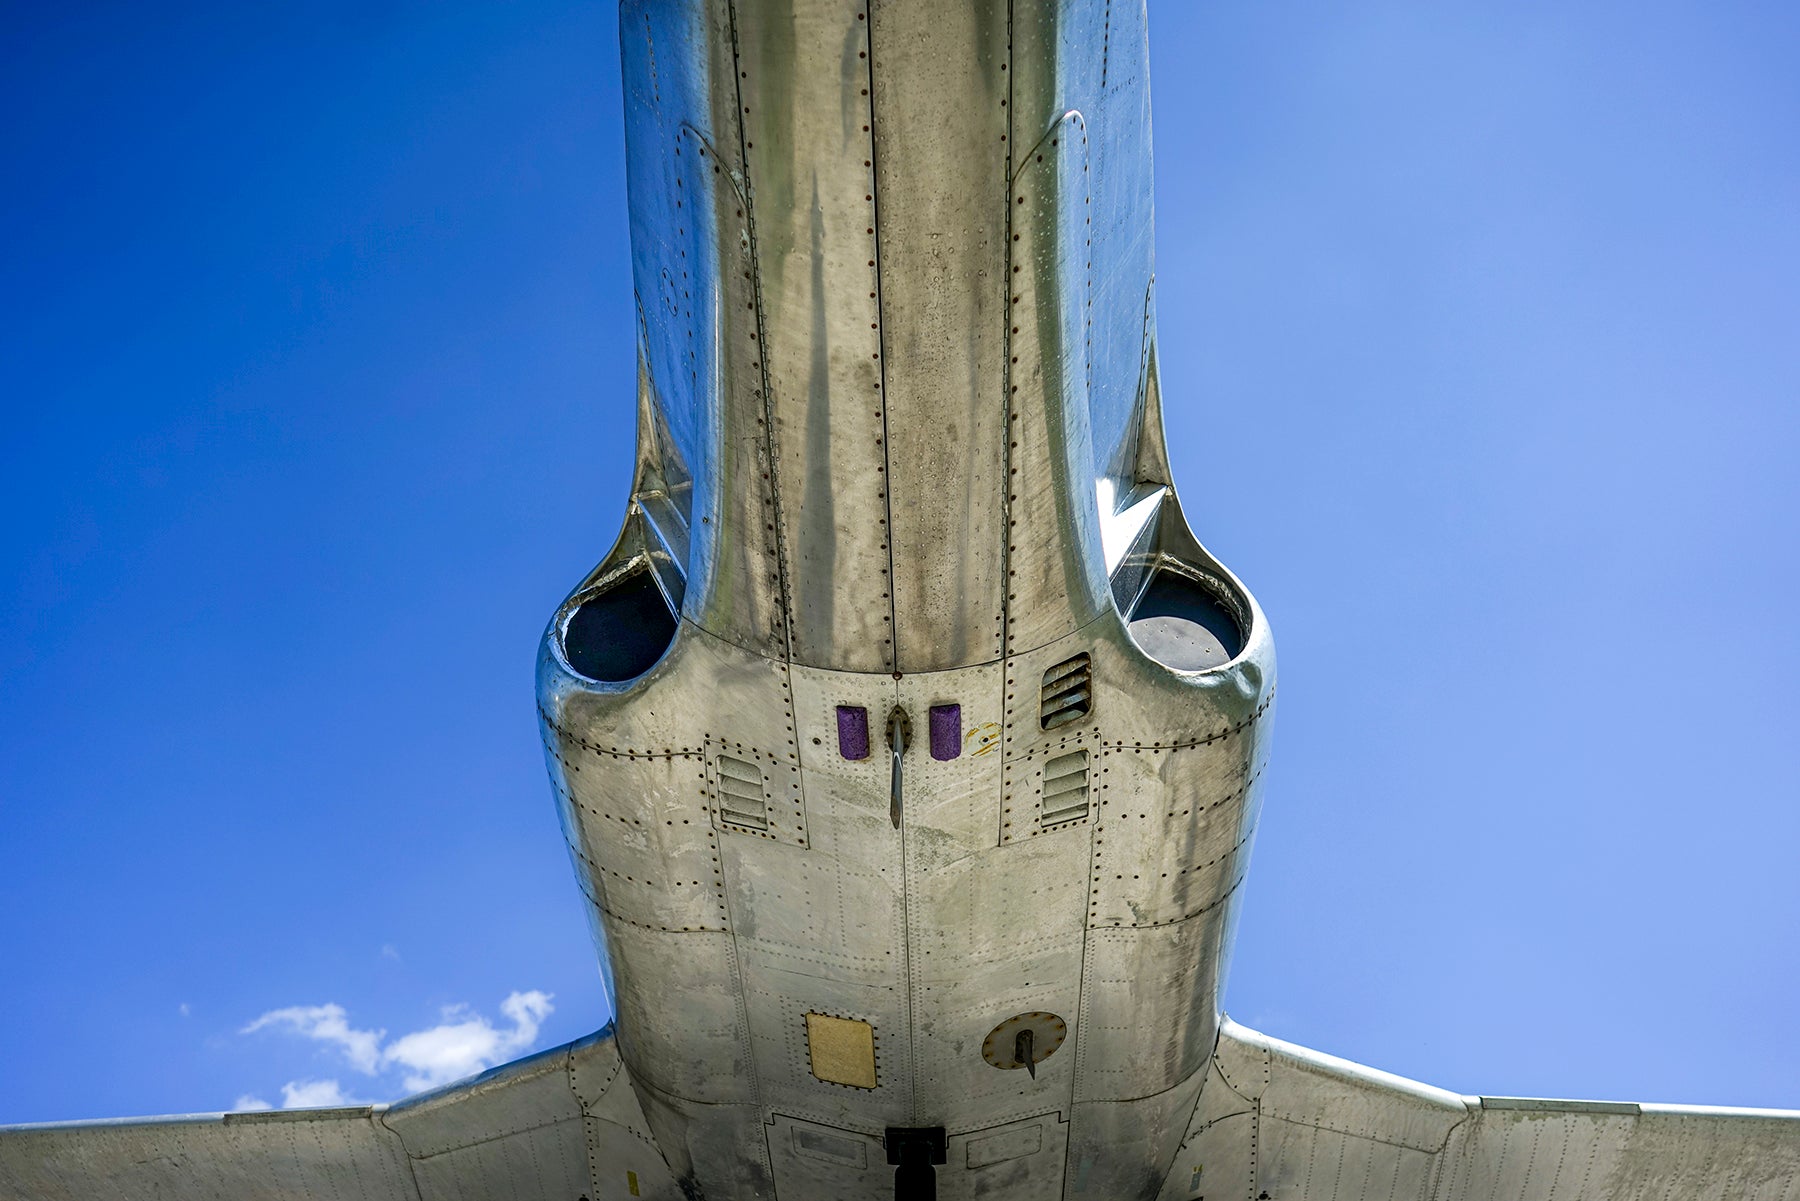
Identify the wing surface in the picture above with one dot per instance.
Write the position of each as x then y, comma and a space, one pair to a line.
1281, 1122
564, 1123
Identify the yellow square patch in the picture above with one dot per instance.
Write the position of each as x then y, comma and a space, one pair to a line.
843, 1050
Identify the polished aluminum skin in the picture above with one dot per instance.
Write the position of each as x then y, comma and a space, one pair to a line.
907, 744
901, 452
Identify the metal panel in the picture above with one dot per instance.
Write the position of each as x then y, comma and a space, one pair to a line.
941, 84
1146, 1024
345, 1153
693, 254
712, 1150
811, 1159
1055, 581
1297, 1124
1217, 1154
1173, 829
697, 1050
778, 1000
643, 840
999, 934
1022, 1160
993, 930
512, 1135
802, 75
562, 1123
1123, 1148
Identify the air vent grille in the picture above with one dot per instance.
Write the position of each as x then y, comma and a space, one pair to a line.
1068, 693
1065, 789
743, 801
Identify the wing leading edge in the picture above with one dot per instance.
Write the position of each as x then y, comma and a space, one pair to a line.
562, 1123
1279, 1121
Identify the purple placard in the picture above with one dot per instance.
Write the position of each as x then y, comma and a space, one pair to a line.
946, 731
853, 731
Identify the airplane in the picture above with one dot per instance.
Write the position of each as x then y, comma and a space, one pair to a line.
1128, 669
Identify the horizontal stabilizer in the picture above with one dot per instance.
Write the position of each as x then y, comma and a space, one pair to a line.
1277, 1120
562, 1123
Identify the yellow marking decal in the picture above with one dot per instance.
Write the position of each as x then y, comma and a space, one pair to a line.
986, 737
842, 1049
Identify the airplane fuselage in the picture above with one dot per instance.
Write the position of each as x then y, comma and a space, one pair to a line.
907, 744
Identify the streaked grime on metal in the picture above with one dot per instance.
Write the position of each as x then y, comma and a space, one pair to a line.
907, 744
901, 467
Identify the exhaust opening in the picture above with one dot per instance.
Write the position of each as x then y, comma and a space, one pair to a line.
619, 633
1184, 623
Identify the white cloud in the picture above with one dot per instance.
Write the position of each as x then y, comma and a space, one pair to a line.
313, 1094
463, 1043
184, 1009
328, 1024
247, 1102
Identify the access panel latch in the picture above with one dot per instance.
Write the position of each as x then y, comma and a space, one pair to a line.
913, 1150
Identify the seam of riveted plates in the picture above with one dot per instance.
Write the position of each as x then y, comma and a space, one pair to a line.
632, 836
732, 187
782, 1052
884, 491
703, 241
966, 1089
590, 1132
1052, 531
858, 1168
785, 806
1218, 1102
1022, 814
939, 82
1168, 837
1023, 741
774, 547
842, 945
1222, 734
1009, 434
600, 751
815, 263
605, 1106
1130, 977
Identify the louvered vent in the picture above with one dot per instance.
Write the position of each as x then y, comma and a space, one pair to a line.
1068, 693
1065, 789
742, 801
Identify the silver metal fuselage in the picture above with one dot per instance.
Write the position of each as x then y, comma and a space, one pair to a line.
900, 449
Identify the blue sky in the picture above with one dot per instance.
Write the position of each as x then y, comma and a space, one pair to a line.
1480, 356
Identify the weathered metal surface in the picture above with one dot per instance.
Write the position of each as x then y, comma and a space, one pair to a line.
898, 342
211, 1157
562, 1123
906, 702
1024, 1041
1292, 1123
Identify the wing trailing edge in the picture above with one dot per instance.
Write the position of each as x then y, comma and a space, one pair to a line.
562, 1123
1280, 1121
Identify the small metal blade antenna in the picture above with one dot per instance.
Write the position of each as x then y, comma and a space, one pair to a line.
897, 731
